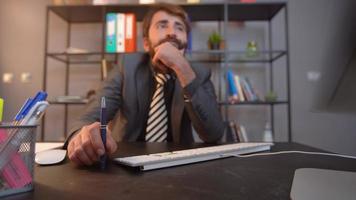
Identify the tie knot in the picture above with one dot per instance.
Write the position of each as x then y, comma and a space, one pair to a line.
161, 78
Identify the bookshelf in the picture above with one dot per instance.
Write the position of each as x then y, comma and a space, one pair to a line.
222, 12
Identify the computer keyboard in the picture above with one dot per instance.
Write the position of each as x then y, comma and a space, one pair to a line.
174, 158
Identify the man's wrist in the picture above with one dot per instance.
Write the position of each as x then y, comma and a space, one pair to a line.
190, 89
70, 138
185, 74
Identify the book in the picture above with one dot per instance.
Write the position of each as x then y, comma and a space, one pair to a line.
232, 85
239, 88
106, 67
232, 132
251, 89
71, 99
247, 90
110, 45
238, 139
242, 134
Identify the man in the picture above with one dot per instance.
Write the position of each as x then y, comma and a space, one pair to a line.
156, 100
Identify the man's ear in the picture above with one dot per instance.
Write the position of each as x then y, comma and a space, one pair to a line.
146, 45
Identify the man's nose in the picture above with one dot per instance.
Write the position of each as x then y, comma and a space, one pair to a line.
171, 32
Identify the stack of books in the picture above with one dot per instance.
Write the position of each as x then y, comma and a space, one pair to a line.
120, 32
237, 133
240, 88
71, 99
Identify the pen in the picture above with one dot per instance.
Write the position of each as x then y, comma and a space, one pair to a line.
40, 96
103, 124
20, 115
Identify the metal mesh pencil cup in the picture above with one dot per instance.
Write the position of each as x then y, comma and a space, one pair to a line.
17, 151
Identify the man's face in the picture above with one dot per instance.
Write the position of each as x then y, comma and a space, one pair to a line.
165, 28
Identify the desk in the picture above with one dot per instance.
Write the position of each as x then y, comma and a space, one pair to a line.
267, 177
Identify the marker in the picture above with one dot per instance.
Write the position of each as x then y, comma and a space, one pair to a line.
103, 124
1, 108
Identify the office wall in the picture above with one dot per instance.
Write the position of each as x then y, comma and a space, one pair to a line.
21, 50
22, 47
332, 131
309, 27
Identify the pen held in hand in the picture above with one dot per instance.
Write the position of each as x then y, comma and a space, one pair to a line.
103, 124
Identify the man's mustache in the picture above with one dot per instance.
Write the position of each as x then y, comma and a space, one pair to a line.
174, 41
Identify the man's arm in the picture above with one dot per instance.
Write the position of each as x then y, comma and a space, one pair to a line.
202, 107
111, 89
85, 145
199, 91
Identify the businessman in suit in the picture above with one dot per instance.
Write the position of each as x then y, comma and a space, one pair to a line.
156, 99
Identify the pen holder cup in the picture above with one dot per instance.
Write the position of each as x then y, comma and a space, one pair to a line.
17, 154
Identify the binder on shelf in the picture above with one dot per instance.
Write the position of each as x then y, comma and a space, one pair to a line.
130, 32
110, 46
120, 32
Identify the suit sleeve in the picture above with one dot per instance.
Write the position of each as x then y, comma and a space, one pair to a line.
202, 107
111, 90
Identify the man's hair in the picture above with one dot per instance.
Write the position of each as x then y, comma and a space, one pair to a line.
171, 9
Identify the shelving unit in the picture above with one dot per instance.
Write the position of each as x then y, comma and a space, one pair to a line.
222, 12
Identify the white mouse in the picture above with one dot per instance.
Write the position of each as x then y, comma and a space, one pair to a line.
50, 157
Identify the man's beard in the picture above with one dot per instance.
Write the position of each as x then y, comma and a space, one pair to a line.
160, 67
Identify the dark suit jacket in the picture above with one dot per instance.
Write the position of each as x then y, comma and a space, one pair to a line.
130, 81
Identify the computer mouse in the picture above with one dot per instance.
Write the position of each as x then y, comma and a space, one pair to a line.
50, 157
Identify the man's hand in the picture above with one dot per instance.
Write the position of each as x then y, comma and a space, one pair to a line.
86, 147
171, 57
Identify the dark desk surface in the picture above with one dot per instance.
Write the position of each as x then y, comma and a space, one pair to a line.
266, 177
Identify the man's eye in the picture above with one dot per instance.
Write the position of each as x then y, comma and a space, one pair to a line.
181, 28
161, 26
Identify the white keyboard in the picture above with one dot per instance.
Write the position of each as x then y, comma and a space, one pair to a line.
174, 158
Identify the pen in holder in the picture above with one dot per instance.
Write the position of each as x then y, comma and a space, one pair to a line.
17, 147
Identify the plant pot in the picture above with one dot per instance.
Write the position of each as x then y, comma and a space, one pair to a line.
216, 46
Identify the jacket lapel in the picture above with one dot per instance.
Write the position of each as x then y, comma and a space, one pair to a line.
143, 83
177, 111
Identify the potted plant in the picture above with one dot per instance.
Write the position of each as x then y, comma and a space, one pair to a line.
215, 41
271, 96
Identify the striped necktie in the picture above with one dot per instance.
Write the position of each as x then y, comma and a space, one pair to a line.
157, 123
